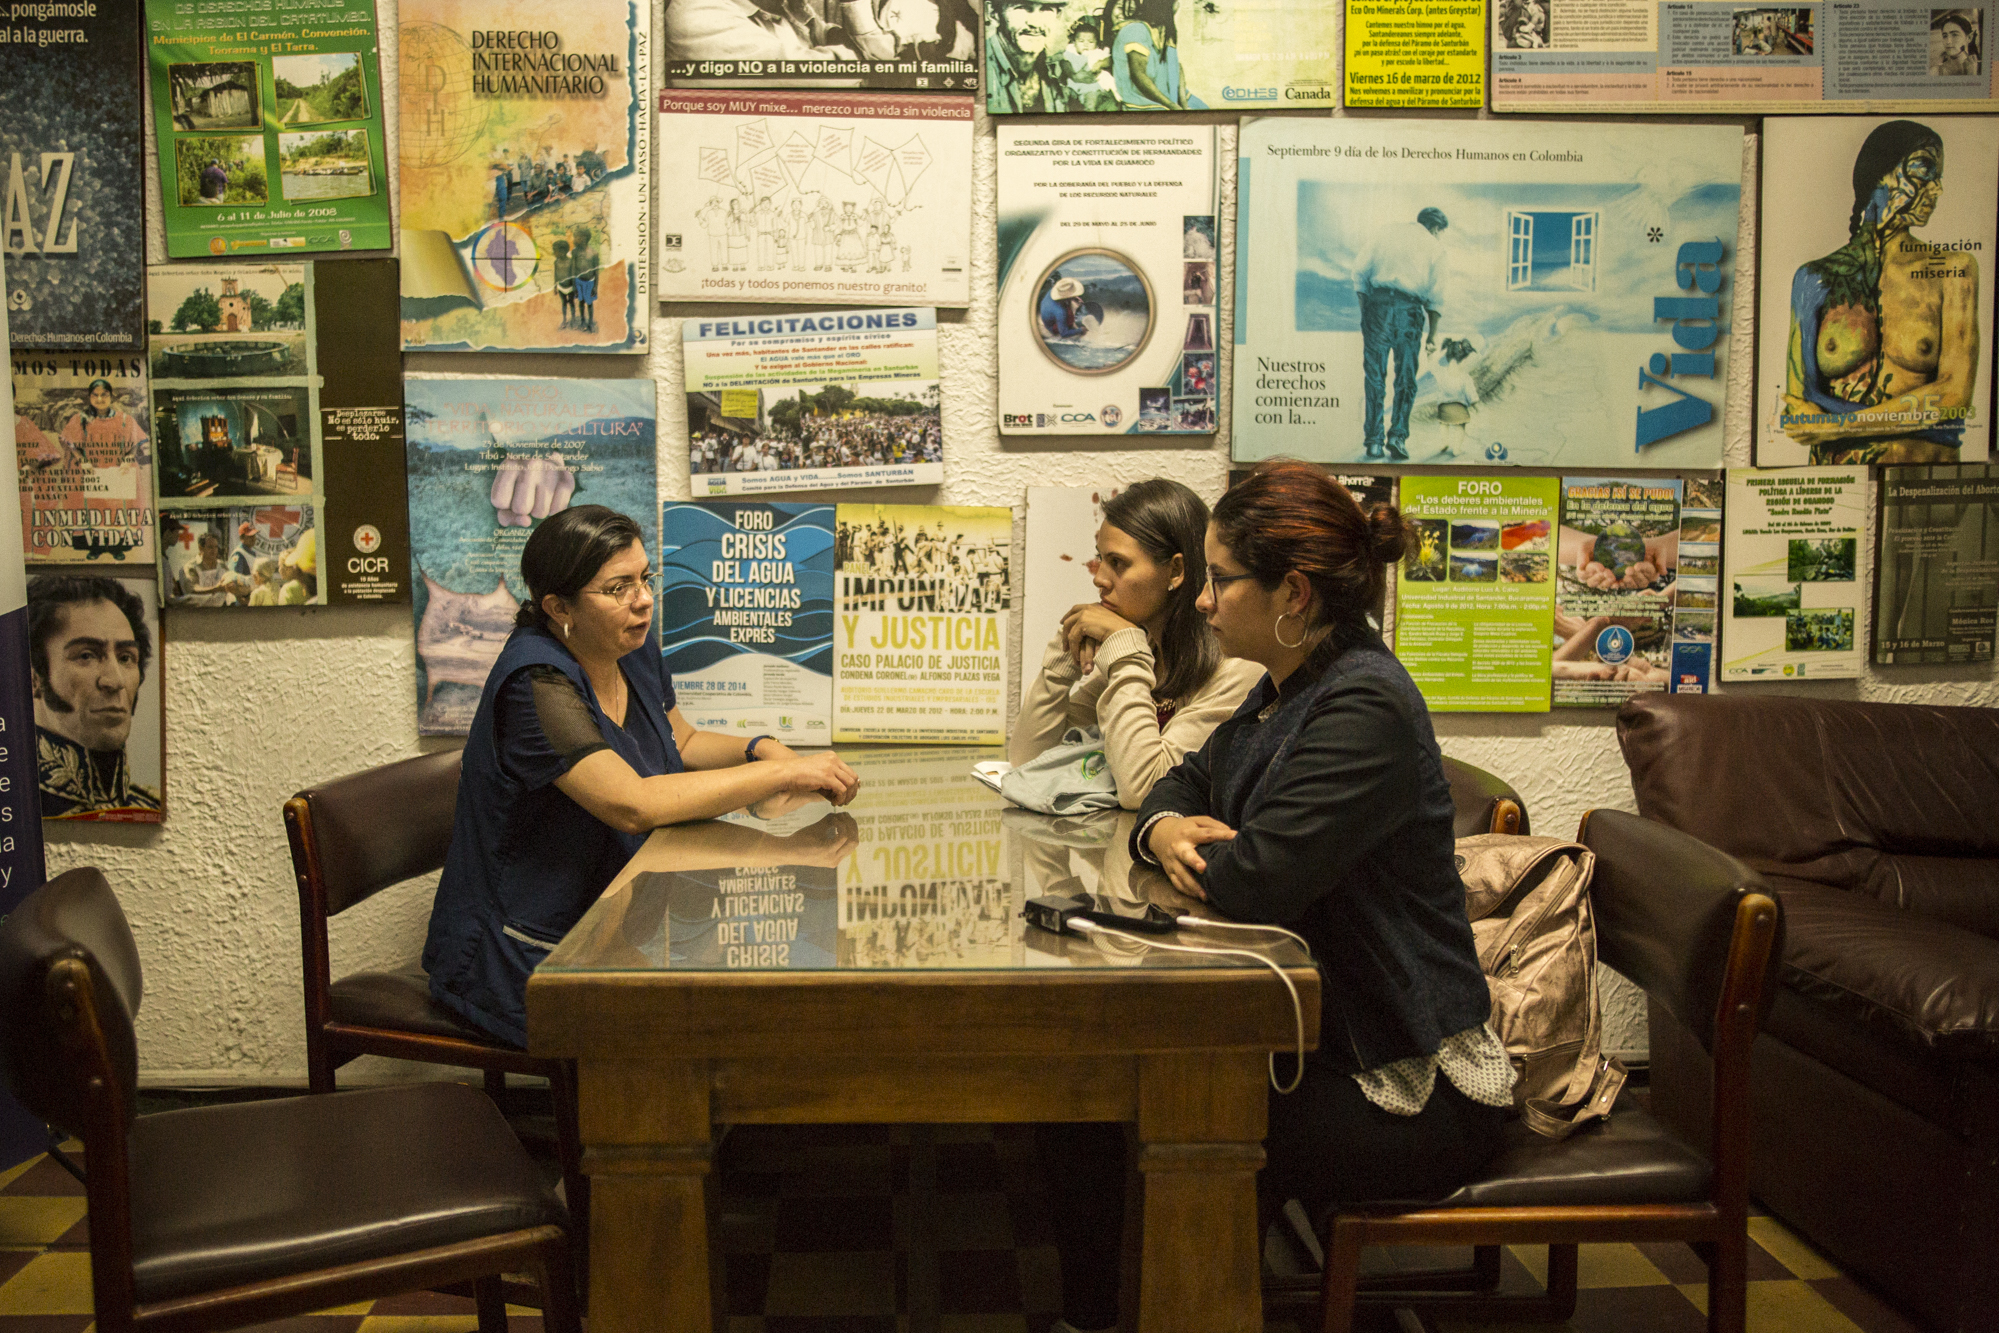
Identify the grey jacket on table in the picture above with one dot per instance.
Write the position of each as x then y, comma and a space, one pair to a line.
1116, 697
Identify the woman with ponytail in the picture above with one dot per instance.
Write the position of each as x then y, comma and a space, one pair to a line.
1140, 663
1321, 806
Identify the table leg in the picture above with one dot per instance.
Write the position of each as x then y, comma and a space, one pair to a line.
647, 1148
1201, 1120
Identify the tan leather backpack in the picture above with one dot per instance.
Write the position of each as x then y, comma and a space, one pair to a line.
1528, 900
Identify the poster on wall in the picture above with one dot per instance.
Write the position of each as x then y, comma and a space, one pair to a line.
488, 459
1791, 573
1471, 293
1936, 565
526, 174
746, 616
272, 141
1620, 628
70, 129
921, 597
1415, 53
929, 47
852, 198
1874, 323
1060, 563
1728, 57
1154, 55
1474, 598
812, 401
84, 458
261, 384
1107, 279
98, 659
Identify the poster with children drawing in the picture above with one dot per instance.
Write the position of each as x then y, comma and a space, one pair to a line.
842, 198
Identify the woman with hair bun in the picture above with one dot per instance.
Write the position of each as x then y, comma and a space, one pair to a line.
1322, 806
1140, 663
577, 752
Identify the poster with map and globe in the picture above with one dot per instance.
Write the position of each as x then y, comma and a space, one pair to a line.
488, 460
525, 162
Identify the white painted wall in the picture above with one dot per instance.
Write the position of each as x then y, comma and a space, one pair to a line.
261, 704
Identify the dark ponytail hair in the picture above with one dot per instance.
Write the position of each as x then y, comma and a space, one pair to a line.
1290, 515
1166, 519
564, 553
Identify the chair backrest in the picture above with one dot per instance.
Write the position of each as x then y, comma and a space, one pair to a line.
1667, 908
1485, 803
355, 836
69, 988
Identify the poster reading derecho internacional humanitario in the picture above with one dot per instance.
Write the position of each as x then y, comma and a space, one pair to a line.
269, 119
921, 597
1474, 604
1729, 57
1791, 573
85, 458
746, 616
1874, 326
1471, 293
845, 198
814, 401
1107, 282
488, 460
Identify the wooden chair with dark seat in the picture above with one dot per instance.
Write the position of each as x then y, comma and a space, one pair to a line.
351, 838
223, 1216
1696, 930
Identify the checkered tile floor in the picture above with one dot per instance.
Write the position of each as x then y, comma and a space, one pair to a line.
927, 1229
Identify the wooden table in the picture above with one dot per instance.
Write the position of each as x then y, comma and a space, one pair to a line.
870, 966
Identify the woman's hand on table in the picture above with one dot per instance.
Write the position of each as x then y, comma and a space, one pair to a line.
1176, 844
825, 774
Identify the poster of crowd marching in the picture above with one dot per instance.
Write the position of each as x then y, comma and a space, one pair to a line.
1472, 293
1099, 226
84, 458
1791, 573
746, 616
813, 401
488, 460
1874, 320
921, 600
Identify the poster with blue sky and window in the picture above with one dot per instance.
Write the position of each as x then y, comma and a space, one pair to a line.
1484, 293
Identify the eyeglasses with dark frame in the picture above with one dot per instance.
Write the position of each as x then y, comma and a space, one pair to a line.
624, 590
1216, 582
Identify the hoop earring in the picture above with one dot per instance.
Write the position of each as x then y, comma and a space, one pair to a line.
1280, 638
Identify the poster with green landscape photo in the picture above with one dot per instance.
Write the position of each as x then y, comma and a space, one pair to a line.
270, 134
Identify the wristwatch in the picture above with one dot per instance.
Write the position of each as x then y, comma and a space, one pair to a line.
750, 750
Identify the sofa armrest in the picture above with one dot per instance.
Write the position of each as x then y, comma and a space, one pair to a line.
1931, 982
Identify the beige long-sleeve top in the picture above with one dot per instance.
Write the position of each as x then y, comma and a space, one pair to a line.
1116, 697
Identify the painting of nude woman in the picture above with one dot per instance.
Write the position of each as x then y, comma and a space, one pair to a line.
1882, 362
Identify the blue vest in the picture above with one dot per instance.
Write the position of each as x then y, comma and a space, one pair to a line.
526, 861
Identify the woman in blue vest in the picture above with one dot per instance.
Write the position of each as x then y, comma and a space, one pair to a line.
1321, 806
577, 752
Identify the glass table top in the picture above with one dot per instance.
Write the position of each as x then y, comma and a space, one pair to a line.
928, 868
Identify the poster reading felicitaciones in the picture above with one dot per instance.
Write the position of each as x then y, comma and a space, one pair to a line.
1874, 325
1475, 600
488, 460
921, 597
1791, 573
84, 457
1107, 284
525, 163
1472, 293
854, 198
269, 119
814, 401
746, 616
